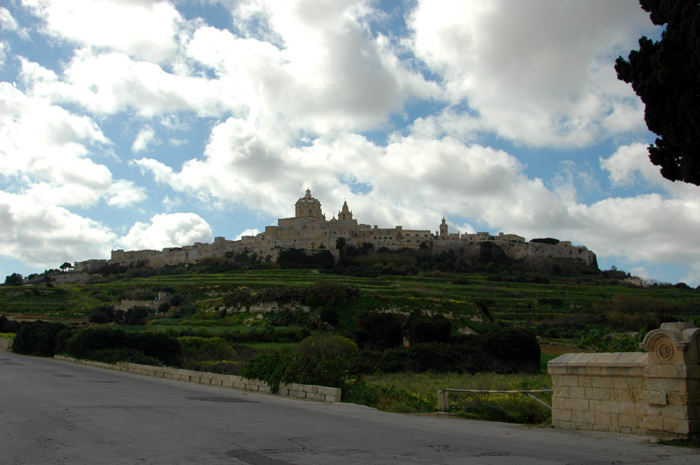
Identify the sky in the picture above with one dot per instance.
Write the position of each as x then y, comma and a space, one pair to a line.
139, 124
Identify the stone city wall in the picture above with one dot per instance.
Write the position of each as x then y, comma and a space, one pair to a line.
298, 391
656, 393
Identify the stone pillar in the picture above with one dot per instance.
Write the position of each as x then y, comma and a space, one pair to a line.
673, 381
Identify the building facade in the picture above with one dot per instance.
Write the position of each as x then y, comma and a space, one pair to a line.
308, 229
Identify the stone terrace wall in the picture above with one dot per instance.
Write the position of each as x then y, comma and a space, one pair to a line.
655, 393
299, 391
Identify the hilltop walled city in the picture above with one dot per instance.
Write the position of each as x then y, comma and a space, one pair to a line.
309, 230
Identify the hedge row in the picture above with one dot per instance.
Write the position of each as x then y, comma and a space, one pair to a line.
47, 339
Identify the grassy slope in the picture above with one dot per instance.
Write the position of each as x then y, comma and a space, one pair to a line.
507, 301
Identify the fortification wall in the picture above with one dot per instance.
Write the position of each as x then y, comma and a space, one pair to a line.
520, 250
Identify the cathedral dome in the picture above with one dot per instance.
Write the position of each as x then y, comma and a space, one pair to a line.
309, 207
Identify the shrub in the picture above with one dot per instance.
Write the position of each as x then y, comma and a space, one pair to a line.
321, 360
122, 354
37, 338
378, 331
327, 346
102, 314
137, 316
197, 349
330, 316
157, 345
512, 350
325, 293
436, 328
164, 307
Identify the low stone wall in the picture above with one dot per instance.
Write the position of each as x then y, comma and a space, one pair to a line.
5, 344
599, 392
299, 391
656, 393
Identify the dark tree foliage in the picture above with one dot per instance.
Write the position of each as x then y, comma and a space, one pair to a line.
665, 74
298, 258
102, 314
15, 279
37, 338
378, 331
85, 343
420, 329
545, 240
137, 316
512, 350
490, 252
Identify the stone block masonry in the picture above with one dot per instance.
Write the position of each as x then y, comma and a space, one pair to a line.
298, 391
655, 393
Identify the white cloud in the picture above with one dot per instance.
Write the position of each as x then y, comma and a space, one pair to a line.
42, 235
247, 232
167, 230
7, 21
171, 204
177, 142
331, 74
144, 138
47, 142
630, 166
145, 29
535, 72
123, 194
114, 82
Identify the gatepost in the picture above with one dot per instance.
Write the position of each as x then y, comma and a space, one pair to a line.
673, 380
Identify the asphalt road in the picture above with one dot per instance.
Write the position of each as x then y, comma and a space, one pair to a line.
55, 412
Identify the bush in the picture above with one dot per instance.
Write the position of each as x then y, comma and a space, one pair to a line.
330, 316
436, 328
112, 356
197, 349
512, 350
320, 360
156, 345
378, 331
37, 338
325, 293
102, 314
137, 316
164, 307
327, 346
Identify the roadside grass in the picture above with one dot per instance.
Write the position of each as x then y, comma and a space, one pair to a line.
417, 393
692, 443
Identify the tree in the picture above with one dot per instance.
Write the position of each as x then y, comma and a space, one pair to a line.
665, 74
65, 266
15, 279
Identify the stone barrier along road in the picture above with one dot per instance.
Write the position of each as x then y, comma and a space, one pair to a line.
58, 412
299, 391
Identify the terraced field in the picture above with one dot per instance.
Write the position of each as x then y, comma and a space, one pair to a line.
522, 300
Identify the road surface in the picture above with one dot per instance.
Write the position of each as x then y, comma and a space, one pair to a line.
56, 412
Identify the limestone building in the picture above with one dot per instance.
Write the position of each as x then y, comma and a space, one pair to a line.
308, 229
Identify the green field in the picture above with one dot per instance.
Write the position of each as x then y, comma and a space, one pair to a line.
576, 302
563, 311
